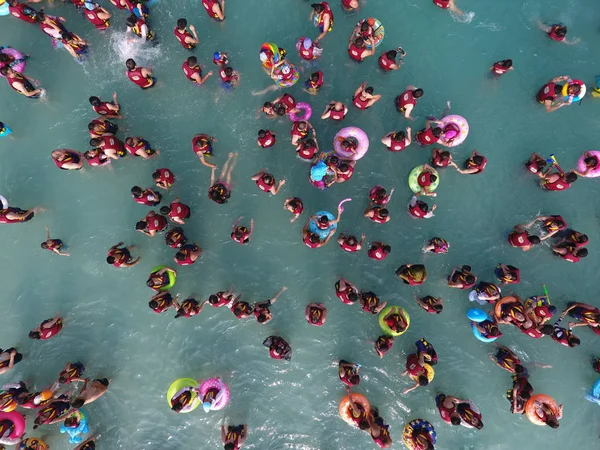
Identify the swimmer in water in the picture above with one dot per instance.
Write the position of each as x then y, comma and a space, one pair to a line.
552, 91
377, 214
314, 83
586, 315
335, 111
88, 444
350, 5
176, 211
220, 59
241, 309
220, 188
349, 243
425, 181
315, 314
473, 165
431, 304
462, 278
74, 44
152, 224
590, 162
160, 278
147, 197
416, 370
110, 110
229, 77
412, 274
262, 311
47, 329
215, 9
193, 71
550, 224
536, 163
267, 109
138, 146
383, 344
557, 32
358, 48
91, 391
8, 359
188, 254
501, 67
186, 39
556, 181
487, 292
449, 5
140, 76
278, 348
322, 15
396, 141
363, 96
266, 138
71, 373
295, 206
301, 130
436, 245
241, 234
546, 414
53, 245
446, 405
507, 274
379, 251
406, 101
419, 209
371, 303
379, 430
379, 196
440, 158
348, 373
387, 60
569, 251
138, 26
520, 238
233, 437
346, 291
188, 308
266, 182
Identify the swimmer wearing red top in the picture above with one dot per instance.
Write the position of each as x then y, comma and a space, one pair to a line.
346, 291
202, 147
229, 76
440, 158
397, 141
295, 206
163, 301
176, 211
241, 234
138, 146
47, 329
140, 76
188, 254
415, 368
233, 437
383, 344
189, 307
363, 96
266, 182
262, 311
568, 251
428, 135
193, 71
358, 50
552, 91
387, 60
379, 196
350, 5
344, 170
462, 278
324, 16
379, 251
348, 373
412, 274
121, 257
425, 180
501, 67
508, 274
406, 101
146, 197
557, 32
215, 9
186, 39
590, 161
315, 314
371, 303
536, 163
556, 181
151, 224
473, 165
449, 5
307, 149
285, 104
53, 245
101, 126
314, 83
520, 238
301, 130
377, 214
110, 110
313, 240
266, 138
220, 59
436, 245
335, 111
430, 304
163, 178
110, 146
349, 243
419, 209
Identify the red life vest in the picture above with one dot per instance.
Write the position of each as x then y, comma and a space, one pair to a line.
156, 223
349, 248
355, 52
309, 54
346, 176
288, 101
558, 185
243, 238
554, 36
321, 17
47, 333
444, 4
182, 36
404, 99
92, 16
385, 62
137, 78
426, 137
140, 145
50, 30
395, 145
416, 211
179, 211
438, 161
226, 78
137, 29
191, 71
445, 412
24, 12
176, 238
346, 4
18, 78
471, 165
163, 304
343, 295
188, 258
359, 102
570, 257
424, 180
267, 141
166, 176
263, 186
499, 69
307, 241
296, 131
336, 115
531, 332
208, 6
519, 239
99, 160
119, 256
147, 199
306, 152
103, 109
561, 224
377, 217
119, 4
4, 216
412, 365
546, 93
110, 142
377, 253
69, 158
317, 84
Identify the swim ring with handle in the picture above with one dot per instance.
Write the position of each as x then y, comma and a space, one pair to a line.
417, 425
582, 167
565, 90
313, 228
413, 179
179, 384
304, 115
345, 406
82, 428
17, 55
478, 315
172, 278
530, 408
351, 132
18, 421
222, 395
457, 130
392, 309
378, 30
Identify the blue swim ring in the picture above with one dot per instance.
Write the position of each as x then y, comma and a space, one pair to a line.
4, 11
74, 433
313, 228
480, 336
594, 397
6, 131
477, 315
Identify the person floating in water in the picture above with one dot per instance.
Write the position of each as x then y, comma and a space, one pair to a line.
233, 437
140, 76
557, 32
53, 245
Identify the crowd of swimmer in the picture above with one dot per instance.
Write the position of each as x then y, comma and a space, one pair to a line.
55, 403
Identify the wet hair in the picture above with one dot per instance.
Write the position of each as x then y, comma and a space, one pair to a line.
131, 20
417, 93
294, 203
40, 15
333, 159
383, 212
268, 178
261, 318
149, 282
571, 177
455, 420
130, 64
90, 153
437, 131
95, 142
344, 167
438, 307
591, 161
181, 23
180, 256
140, 225
433, 178
153, 304
110, 259
262, 133
552, 422
279, 109
310, 143
494, 331
95, 101
353, 296
192, 61
470, 279
561, 30
71, 422
4, 70
165, 210
229, 446
423, 206
34, 335
313, 238
318, 7
77, 403
314, 76
4, 57
399, 135
363, 425
212, 299
391, 54
351, 240
573, 341
525, 395
44, 245
156, 175
478, 159
581, 252
519, 368
534, 240
129, 140
369, 90
136, 191
228, 71
359, 42
507, 63
558, 89
267, 105
423, 381
323, 219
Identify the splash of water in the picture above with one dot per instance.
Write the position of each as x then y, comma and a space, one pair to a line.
127, 46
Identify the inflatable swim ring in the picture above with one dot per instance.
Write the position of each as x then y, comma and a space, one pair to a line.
179, 384
172, 278
565, 90
269, 53
594, 396
351, 132
476, 316
413, 179
305, 115
33, 444
345, 405
500, 303
5, 131
582, 167
459, 135
378, 30
4, 11
215, 383
417, 425
16, 54
313, 228
384, 326
430, 372
530, 408
281, 70
18, 421
82, 428
3, 202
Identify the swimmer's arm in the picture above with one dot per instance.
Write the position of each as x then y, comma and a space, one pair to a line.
47, 233
275, 190
452, 7
196, 40
368, 212
327, 111
573, 42
221, 12
281, 291
258, 175
329, 236
407, 111
410, 389
544, 28
360, 88
243, 436
326, 25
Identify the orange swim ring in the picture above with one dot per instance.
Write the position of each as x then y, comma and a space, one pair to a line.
530, 410
344, 408
498, 307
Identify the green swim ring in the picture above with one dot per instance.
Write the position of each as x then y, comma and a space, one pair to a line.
397, 310
413, 179
180, 384
172, 278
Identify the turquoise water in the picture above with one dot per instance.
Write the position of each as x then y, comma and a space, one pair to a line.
294, 405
